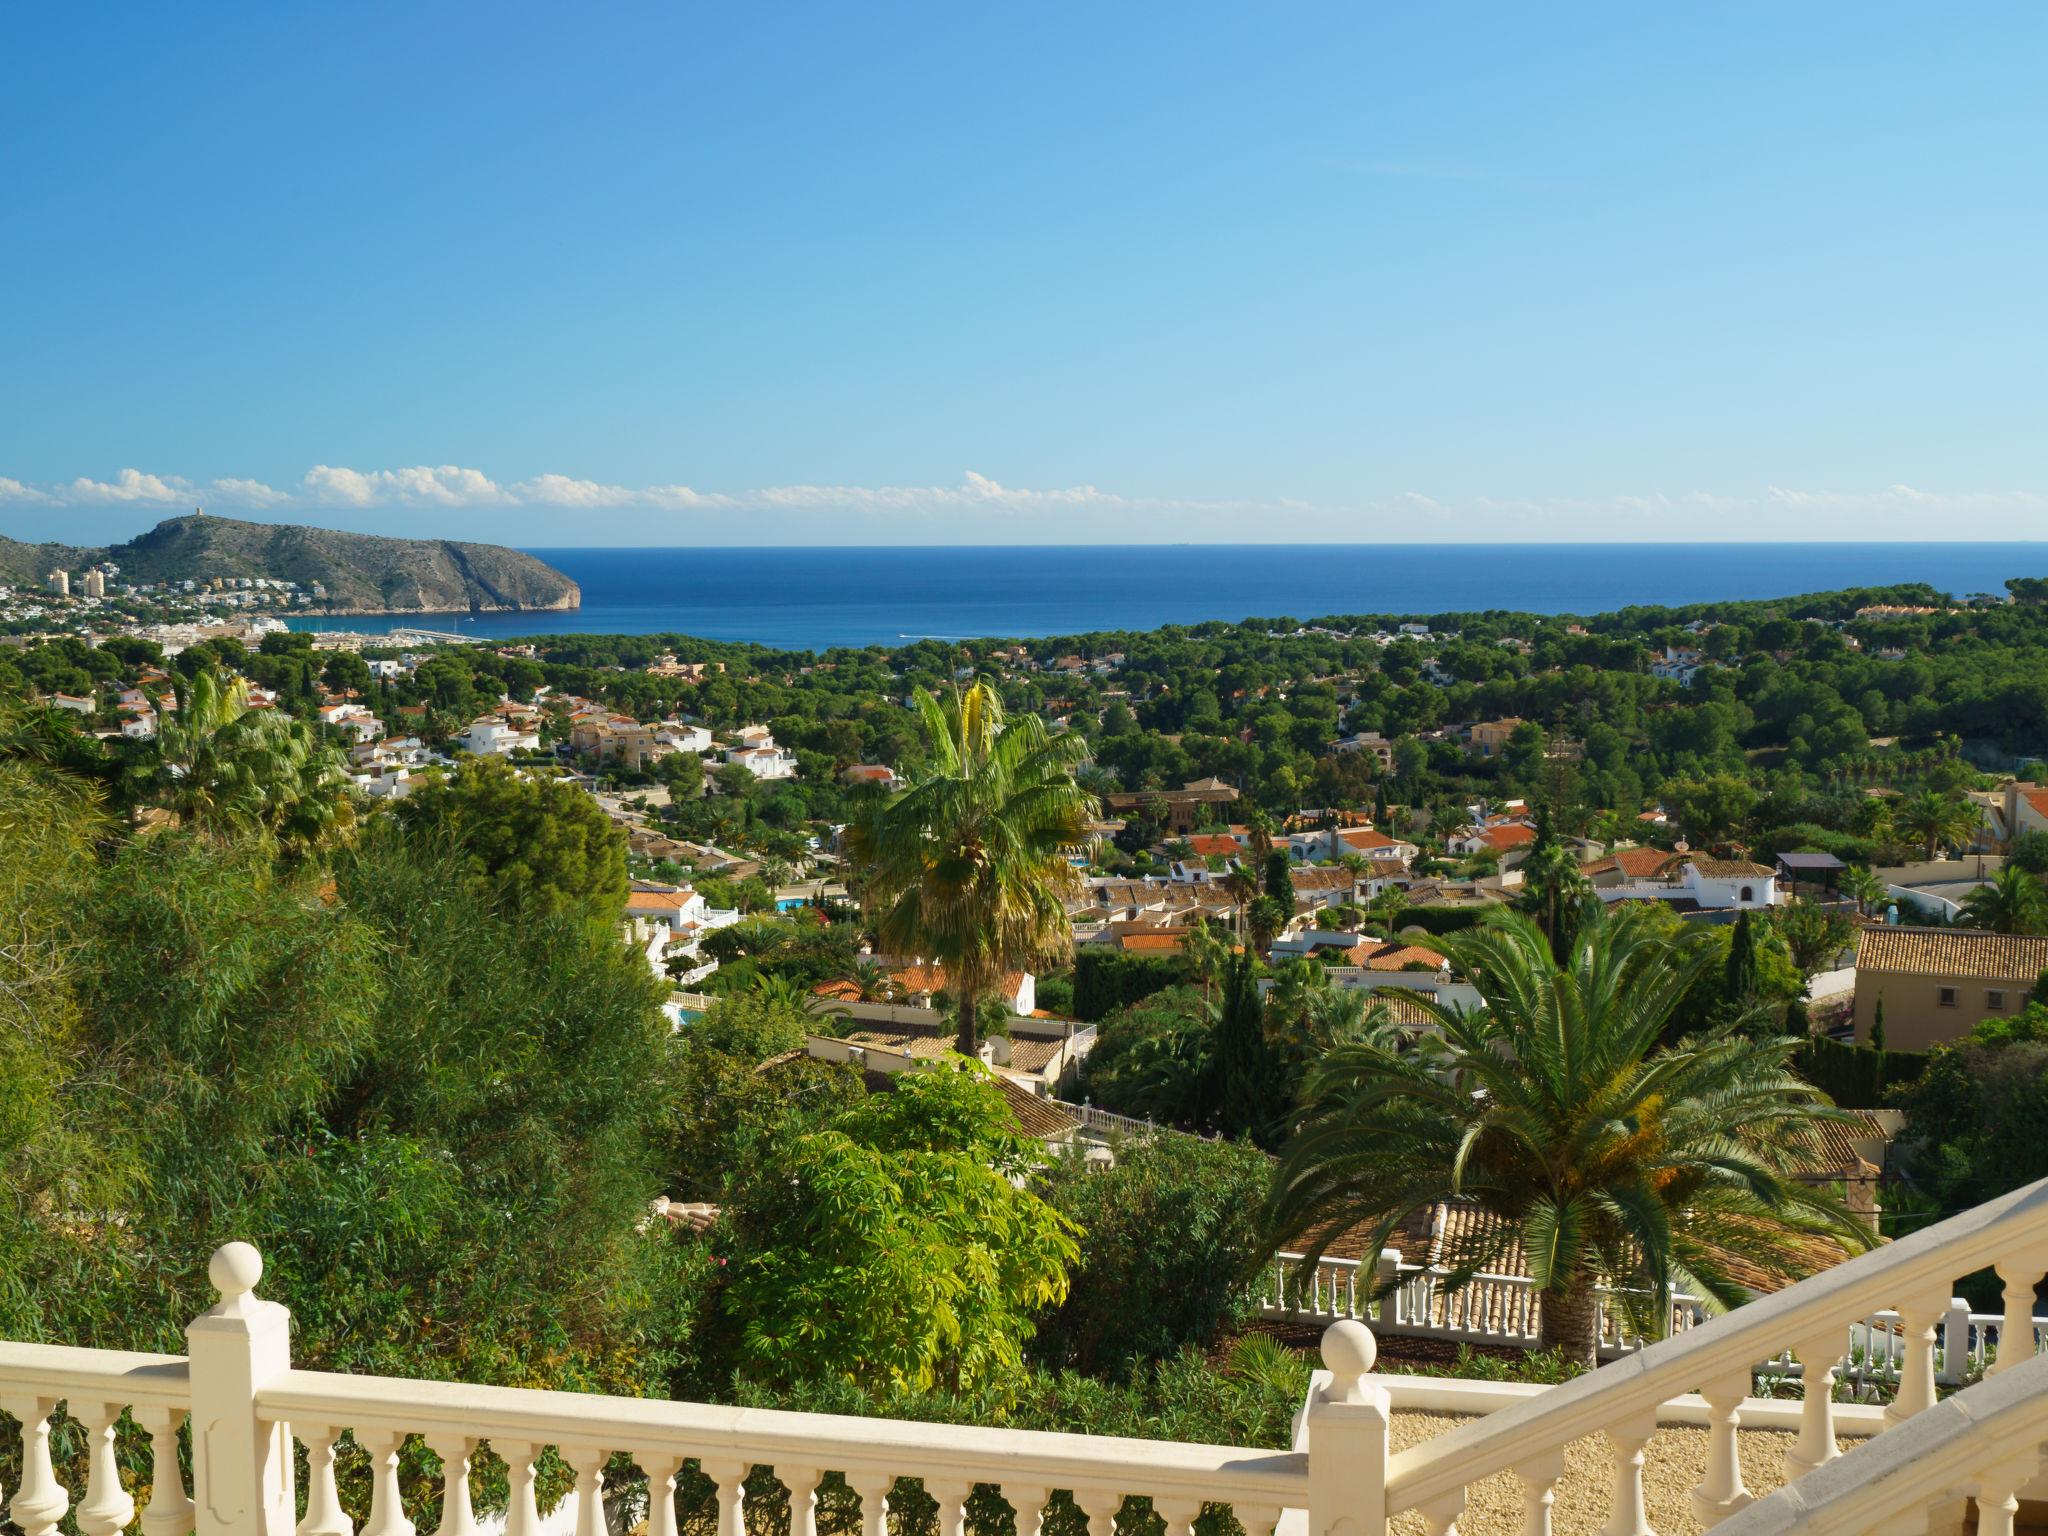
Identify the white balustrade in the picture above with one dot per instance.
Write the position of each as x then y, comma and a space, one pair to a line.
245, 1401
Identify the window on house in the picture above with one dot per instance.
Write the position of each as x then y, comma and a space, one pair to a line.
1748, 893
1948, 997
1994, 1000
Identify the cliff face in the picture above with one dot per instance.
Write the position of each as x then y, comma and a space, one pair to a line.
361, 572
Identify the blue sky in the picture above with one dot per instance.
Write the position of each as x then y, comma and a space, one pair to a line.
694, 274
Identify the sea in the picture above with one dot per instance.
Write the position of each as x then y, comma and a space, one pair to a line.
818, 598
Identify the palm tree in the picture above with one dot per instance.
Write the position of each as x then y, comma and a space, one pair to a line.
872, 982
1865, 889
1936, 819
1206, 954
225, 767
1244, 889
786, 992
1555, 1110
971, 866
2012, 903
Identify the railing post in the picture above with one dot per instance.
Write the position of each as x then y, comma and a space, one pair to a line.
1386, 1272
1346, 1429
241, 1465
1955, 1344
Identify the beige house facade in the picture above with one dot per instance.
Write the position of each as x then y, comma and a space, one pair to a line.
1938, 984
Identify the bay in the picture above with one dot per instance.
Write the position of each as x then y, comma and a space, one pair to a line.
816, 598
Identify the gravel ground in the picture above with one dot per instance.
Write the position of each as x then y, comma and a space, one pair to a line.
1673, 1462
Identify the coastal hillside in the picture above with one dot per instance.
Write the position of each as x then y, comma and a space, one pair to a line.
360, 572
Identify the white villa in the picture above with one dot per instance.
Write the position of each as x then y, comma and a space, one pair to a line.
1698, 884
756, 751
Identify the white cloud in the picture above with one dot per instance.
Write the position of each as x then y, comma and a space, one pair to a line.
566, 491
248, 493
15, 490
423, 485
129, 485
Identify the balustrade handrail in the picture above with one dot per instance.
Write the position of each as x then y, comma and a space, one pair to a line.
1983, 1441
771, 1437
1924, 1264
112, 1375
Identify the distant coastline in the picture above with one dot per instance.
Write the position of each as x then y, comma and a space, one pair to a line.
814, 599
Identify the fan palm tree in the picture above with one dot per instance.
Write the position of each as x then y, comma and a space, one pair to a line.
1865, 889
225, 767
1206, 953
1935, 819
1555, 1110
2012, 903
1244, 888
971, 866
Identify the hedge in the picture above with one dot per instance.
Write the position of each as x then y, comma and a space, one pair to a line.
1108, 979
1855, 1076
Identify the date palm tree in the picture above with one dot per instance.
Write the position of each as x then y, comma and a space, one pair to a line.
971, 867
223, 766
2012, 903
1556, 1111
1935, 819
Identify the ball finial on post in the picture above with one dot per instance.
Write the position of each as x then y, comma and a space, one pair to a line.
234, 1269
1349, 1351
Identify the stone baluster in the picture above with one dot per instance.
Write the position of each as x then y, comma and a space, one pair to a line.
1721, 1492
802, 1483
1178, 1515
950, 1494
324, 1514
1919, 1319
731, 1478
588, 1465
661, 1469
1027, 1507
2021, 1273
107, 1507
874, 1489
1440, 1515
522, 1512
1539, 1478
1816, 1443
1998, 1496
1101, 1506
1257, 1519
1628, 1515
387, 1504
457, 1453
40, 1501
169, 1512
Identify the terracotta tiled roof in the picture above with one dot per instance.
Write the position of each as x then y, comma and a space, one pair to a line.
1365, 839
1040, 1119
1384, 955
1952, 952
1151, 943
1635, 863
1513, 835
1210, 845
1730, 869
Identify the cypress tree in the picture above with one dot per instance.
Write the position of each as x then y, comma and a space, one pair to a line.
1738, 987
1280, 879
